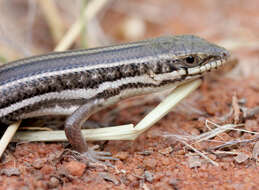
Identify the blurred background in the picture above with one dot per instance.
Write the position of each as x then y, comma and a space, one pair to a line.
29, 27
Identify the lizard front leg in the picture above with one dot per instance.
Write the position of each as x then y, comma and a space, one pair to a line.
73, 132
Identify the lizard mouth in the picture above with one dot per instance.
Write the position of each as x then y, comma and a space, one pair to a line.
207, 67
186, 74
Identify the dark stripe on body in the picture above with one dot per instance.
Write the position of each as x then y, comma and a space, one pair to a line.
106, 94
85, 79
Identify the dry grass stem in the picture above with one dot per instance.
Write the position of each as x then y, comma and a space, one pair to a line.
233, 143
90, 11
218, 152
8, 135
215, 132
84, 33
53, 19
200, 153
36, 128
167, 104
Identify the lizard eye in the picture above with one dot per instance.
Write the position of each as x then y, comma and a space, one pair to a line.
190, 59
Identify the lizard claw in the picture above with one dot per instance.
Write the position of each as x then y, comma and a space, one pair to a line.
97, 156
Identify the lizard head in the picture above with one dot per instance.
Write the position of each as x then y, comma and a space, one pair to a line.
188, 56
197, 55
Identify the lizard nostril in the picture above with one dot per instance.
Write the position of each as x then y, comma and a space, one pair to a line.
225, 54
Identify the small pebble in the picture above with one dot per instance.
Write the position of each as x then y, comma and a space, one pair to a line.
251, 125
53, 182
122, 155
47, 169
10, 172
38, 163
173, 182
167, 150
165, 161
148, 176
194, 161
108, 177
75, 168
131, 178
150, 163
241, 157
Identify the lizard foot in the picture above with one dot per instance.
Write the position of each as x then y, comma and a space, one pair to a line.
97, 156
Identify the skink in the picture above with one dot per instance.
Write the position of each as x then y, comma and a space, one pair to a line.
79, 83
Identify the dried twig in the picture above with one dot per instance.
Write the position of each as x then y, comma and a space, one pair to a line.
200, 153
216, 131
236, 109
232, 143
